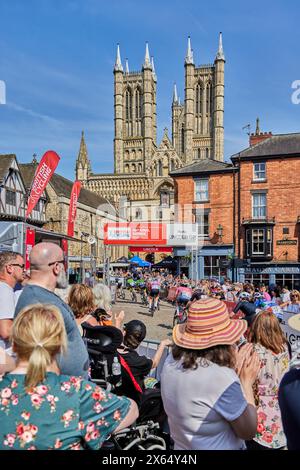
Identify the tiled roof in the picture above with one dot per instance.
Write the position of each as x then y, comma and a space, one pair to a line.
202, 166
5, 162
276, 145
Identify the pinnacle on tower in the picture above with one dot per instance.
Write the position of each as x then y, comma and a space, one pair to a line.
126, 66
175, 96
153, 69
147, 63
118, 64
220, 53
82, 154
189, 55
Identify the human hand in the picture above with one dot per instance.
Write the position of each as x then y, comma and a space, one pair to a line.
250, 369
241, 354
167, 342
119, 317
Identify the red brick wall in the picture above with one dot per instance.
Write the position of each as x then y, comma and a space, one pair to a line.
283, 201
220, 203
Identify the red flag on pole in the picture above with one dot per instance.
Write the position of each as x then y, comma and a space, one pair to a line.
73, 207
42, 177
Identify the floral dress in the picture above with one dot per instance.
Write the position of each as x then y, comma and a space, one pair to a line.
62, 412
274, 366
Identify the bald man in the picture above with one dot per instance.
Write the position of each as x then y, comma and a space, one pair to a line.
47, 272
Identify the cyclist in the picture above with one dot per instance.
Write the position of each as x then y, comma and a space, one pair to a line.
131, 285
154, 289
183, 296
141, 285
119, 283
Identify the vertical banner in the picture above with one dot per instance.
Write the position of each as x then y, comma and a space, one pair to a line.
42, 177
73, 207
29, 244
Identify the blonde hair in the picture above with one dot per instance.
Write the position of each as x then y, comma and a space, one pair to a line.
81, 300
102, 297
38, 335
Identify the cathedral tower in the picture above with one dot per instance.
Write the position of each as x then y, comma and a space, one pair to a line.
135, 116
198, 125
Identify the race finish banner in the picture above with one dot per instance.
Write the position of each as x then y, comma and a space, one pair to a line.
154, 234
42, 176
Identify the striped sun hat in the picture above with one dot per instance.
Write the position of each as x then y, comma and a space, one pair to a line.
208, 324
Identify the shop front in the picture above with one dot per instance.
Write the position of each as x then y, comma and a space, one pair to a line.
206, 262
283, 275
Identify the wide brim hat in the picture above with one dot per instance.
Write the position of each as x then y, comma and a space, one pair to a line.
294, 322
208, 324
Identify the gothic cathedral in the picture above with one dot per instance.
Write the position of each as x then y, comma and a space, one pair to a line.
141, 167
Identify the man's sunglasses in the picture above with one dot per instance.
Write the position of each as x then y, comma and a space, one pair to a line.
22, 266
54, 262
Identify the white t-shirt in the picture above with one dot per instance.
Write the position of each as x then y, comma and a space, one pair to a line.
200, 404
7, 307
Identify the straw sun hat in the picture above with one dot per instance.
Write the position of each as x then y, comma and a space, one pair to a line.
208, 324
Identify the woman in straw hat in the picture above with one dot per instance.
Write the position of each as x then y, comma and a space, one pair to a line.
41, 409
206, 384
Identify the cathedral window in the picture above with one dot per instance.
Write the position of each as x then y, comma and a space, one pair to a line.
199, 98
159, 168
138, 104
133, 168
208, 98
182, 139
172, 165
128, 103
140, 168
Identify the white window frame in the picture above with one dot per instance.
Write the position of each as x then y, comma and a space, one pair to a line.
259, 171
259, 210
201, 195
256, 231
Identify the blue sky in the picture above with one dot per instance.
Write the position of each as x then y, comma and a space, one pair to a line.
57, 57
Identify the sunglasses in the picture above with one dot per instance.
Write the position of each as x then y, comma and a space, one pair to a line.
54, 262
22, 266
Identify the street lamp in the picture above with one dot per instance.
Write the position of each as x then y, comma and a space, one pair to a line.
83, 234
220, 232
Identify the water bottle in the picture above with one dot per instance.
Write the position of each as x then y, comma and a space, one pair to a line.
116, 372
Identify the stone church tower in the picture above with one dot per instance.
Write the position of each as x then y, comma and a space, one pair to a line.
198, 124
135, 116
141, 166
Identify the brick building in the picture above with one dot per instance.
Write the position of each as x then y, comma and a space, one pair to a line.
250, 209
204, 195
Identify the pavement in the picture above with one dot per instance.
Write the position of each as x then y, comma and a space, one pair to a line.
159, 326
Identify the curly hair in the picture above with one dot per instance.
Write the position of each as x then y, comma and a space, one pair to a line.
81, 300
222, 355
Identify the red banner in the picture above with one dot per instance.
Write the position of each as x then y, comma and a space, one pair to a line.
151, 249
73, 207
42, 177
29, 244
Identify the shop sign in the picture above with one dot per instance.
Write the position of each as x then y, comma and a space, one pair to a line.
273, 270
286, 242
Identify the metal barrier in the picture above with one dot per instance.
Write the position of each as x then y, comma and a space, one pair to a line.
148, 348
